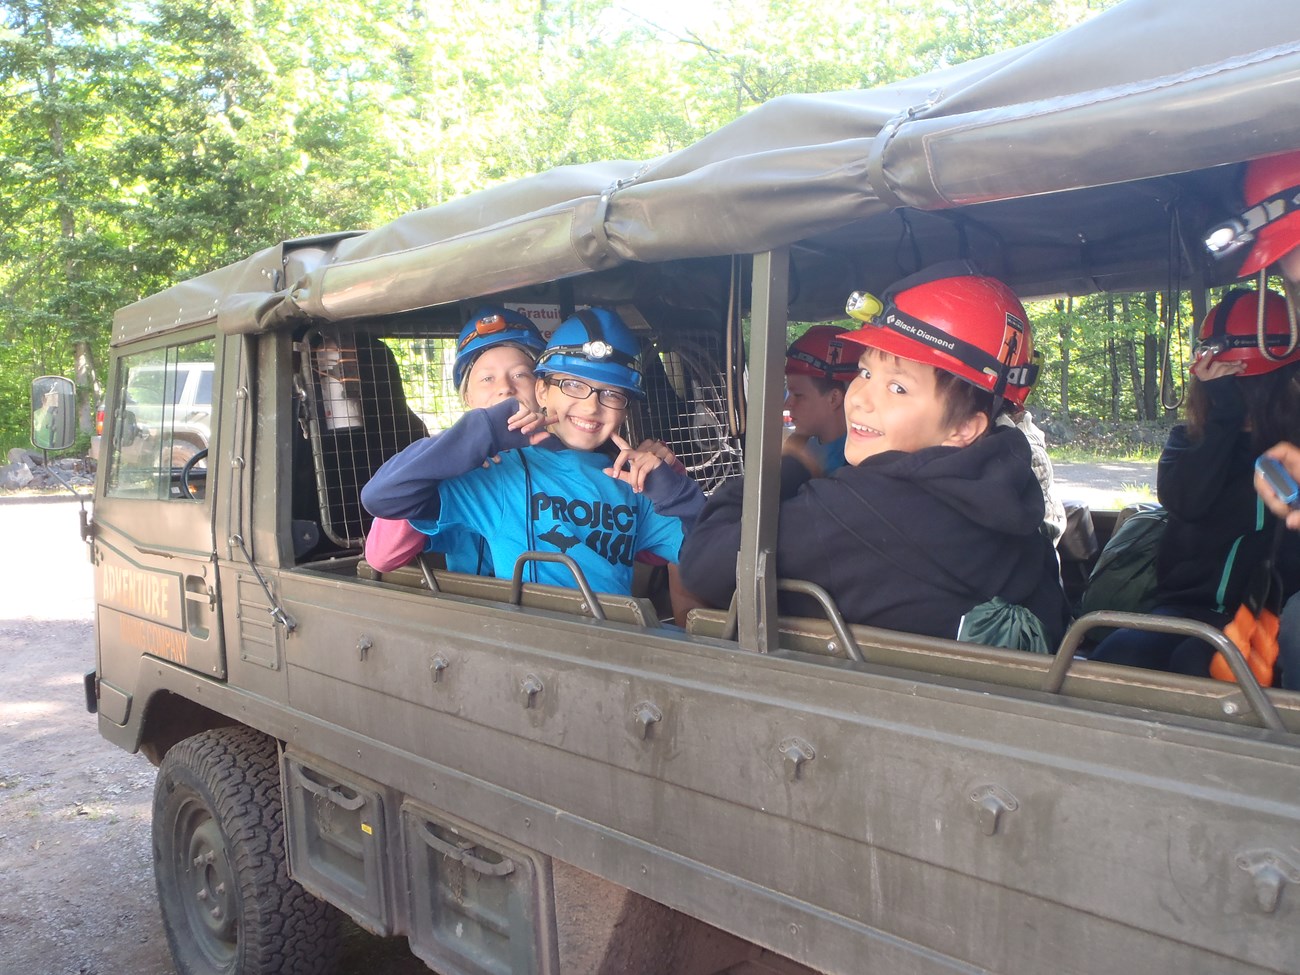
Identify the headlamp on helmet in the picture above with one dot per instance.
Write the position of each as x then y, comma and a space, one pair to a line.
489, 326
1235, 233
1270, 219
596, 345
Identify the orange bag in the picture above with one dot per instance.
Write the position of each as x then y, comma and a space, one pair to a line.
1254, 627
1255, 635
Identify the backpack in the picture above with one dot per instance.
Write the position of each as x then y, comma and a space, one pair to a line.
998, 623
1124, 578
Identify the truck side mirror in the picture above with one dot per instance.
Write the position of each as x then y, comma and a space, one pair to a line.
125, 430
54, 413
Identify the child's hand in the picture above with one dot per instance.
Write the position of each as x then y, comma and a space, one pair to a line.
796, 445
532, 423
1289, 455
660, 450
1209, 368
631, 466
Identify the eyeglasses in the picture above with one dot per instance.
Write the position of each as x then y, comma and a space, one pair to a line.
487, 325
1232, 235
613, 398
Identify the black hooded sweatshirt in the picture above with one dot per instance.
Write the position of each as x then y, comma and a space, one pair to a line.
907, 541
1219, 531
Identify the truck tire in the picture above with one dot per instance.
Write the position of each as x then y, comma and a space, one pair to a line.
228, 904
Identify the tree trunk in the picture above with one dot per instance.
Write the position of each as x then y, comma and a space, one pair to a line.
1134, 377
1066, 306
1112, 360
1151, 371
87, 386
84, 360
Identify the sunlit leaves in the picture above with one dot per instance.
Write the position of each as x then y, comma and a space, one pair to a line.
145, 141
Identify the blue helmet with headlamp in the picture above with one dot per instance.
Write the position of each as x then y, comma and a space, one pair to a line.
595, 345
492, 325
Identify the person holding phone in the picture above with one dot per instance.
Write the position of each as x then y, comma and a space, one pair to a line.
1265, 236
1242, 398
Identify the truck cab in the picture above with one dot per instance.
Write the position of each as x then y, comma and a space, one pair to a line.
528, 778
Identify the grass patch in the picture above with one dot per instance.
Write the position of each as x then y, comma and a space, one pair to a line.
1075, 454
1134, 494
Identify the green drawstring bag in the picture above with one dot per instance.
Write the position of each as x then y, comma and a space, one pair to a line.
998, 623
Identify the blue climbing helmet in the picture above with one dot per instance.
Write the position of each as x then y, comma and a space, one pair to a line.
491, 325
594, 344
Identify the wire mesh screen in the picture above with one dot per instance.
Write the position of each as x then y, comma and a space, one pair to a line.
686, 407
426, 367
356, 412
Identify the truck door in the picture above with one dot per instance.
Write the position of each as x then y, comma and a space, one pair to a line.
156, 579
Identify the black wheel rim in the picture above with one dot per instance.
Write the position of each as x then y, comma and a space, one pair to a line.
205, 884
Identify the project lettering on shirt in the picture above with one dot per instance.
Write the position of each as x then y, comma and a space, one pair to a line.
608, 526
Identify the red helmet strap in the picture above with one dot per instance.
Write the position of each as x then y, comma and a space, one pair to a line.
827, 369
935, 272
964, 352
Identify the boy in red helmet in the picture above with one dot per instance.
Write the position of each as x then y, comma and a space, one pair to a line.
938, 509
814, 394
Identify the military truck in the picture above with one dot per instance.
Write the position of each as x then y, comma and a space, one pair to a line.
523, 778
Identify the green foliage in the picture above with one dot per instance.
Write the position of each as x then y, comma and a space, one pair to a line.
1099, 344
142, 143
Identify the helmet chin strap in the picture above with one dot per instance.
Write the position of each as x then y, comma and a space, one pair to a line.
1287, 289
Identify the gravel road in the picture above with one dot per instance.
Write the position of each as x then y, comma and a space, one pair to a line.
78, 894
1107, 483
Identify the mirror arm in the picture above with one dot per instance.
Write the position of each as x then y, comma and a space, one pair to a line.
87, 525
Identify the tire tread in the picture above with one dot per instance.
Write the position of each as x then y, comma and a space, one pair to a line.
283, 929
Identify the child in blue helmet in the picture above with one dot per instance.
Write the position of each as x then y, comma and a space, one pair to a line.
555, 487
495, 354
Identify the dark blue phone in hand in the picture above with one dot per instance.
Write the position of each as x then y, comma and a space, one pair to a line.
1277, 478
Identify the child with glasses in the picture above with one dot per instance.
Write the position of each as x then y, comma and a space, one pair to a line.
495, 355
555, 488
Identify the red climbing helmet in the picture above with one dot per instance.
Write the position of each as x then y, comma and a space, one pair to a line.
811, 355
956, 320
1270, 223
1231, 332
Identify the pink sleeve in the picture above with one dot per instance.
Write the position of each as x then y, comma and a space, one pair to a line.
392, 544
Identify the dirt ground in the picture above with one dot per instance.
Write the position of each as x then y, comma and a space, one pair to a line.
77, 896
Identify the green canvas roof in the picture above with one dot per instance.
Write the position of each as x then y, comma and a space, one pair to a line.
1079, 163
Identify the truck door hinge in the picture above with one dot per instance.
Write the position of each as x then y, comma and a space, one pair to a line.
1271, 871
529, 689
644, 717
797, 754
991, 801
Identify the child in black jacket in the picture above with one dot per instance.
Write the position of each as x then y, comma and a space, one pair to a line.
1239, 402
937, 510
